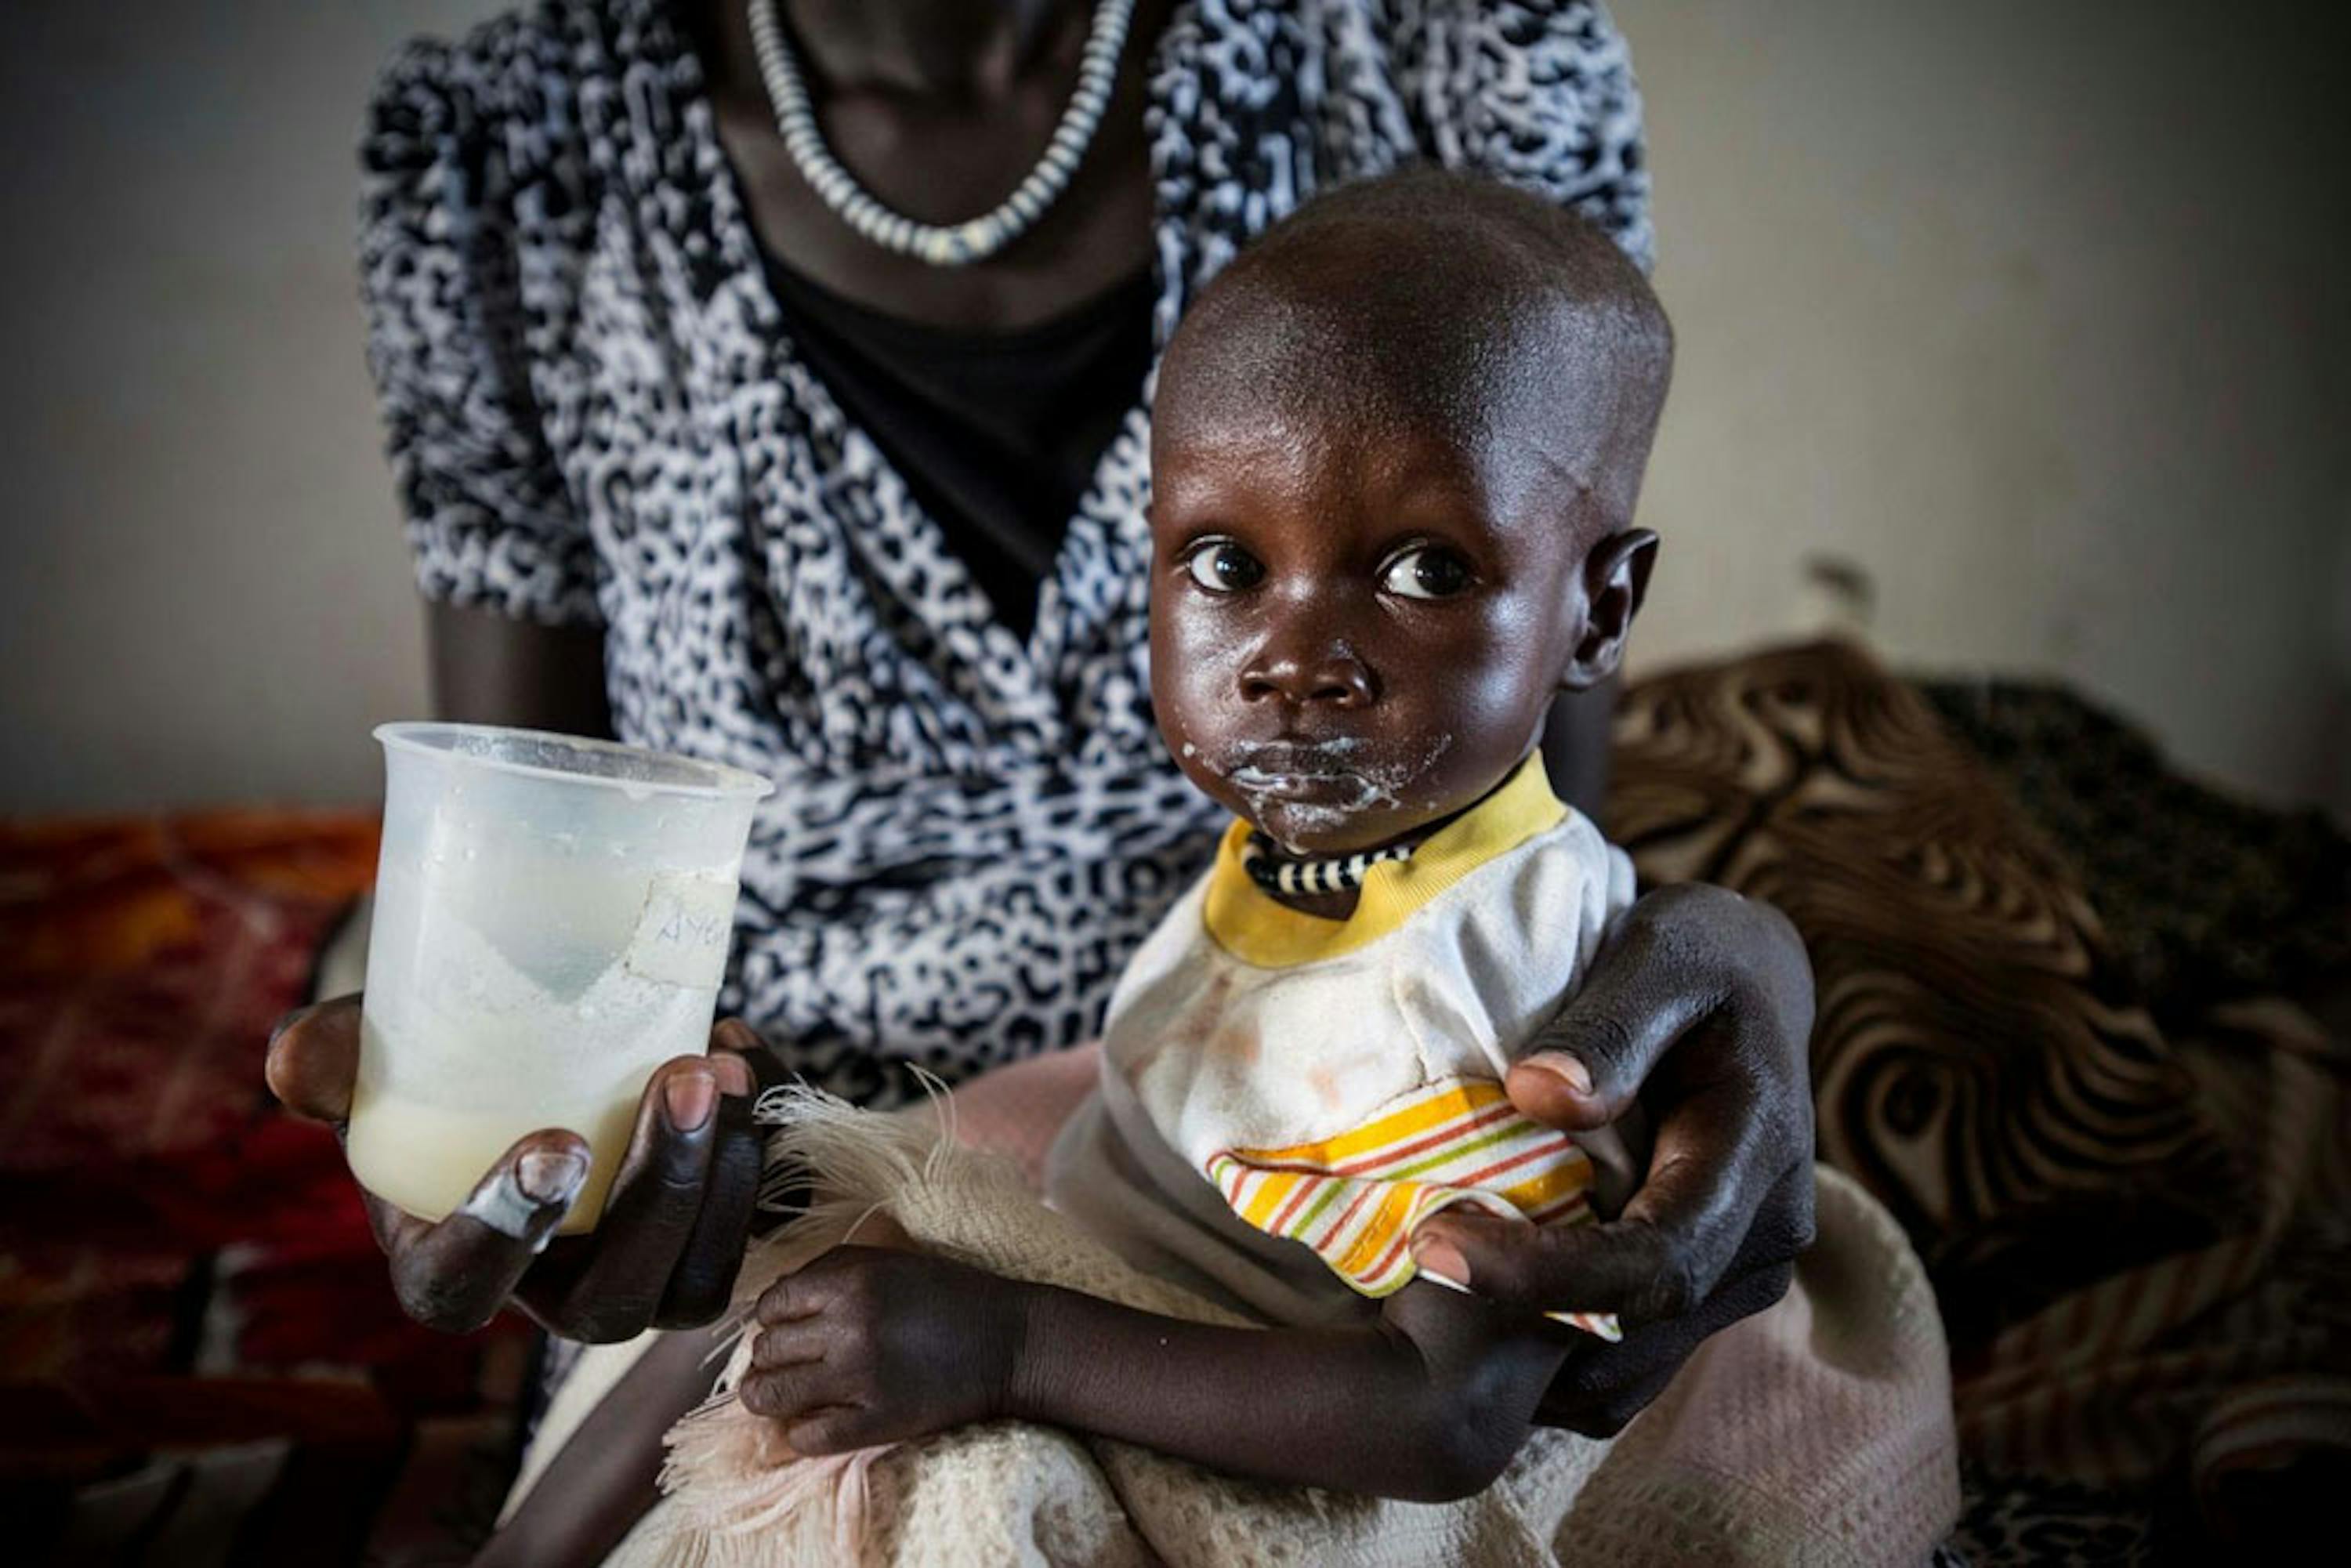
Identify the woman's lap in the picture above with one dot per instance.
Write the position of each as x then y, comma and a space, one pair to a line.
1017, 1110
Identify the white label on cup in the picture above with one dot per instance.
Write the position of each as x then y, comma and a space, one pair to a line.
681, 935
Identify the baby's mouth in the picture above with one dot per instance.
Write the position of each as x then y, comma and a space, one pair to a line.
1292, 770
1262, 784
1322, 785
1299, 790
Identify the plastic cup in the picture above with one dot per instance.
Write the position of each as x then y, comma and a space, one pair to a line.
551, 924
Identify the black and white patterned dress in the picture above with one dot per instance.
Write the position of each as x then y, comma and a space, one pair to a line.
597, 417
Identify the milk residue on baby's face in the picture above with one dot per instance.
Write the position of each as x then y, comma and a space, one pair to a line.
1357, 629
1298, 793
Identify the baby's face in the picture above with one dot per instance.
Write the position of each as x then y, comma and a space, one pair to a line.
1352, 632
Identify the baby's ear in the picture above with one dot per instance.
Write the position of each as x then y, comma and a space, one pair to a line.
1616, 580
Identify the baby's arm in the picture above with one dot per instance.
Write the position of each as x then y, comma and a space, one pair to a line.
867, 1347
1430, 1405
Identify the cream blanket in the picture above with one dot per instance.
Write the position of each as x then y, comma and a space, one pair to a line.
1818, 1432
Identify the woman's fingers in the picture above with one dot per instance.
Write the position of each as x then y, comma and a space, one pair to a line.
314, 1057
655, 1199
666, 1250
1658, 1259
1590, 1061
1681, 956
1700, 1005
1709, 1170
1602, 1387
454, 1274
1681, 1236
704, 1280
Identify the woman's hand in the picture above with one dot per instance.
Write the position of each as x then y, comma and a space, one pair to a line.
869, 1345
1701, 1006
664, 1255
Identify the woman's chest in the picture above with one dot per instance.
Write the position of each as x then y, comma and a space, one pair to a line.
945, 159
744, 519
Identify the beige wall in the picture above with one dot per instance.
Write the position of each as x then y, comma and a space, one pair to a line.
2035, 312
2030, 310
203, 596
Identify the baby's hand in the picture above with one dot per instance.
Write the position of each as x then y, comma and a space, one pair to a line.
867, 1346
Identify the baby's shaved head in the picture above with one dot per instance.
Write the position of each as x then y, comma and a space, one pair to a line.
1436, 304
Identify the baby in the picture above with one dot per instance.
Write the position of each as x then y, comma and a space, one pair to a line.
1396, 448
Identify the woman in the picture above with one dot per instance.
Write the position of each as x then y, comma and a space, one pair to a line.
690, 456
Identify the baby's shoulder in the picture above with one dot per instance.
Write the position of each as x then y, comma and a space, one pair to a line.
1493, 959
1177, 947
1568, 875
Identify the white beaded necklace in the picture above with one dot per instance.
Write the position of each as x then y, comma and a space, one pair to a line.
963, 243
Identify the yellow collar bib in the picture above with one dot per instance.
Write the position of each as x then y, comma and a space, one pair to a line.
1257, 929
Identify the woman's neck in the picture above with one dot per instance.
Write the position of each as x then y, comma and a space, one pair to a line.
933, 47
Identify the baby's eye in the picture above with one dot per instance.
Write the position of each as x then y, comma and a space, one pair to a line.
1427, 571
1223, 567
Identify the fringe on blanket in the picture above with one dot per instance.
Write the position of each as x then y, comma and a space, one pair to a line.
740, 1497
1817, 1433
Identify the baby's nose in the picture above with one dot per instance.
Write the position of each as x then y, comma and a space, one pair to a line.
1333, 675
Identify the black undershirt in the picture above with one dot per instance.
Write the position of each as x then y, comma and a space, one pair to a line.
996, 434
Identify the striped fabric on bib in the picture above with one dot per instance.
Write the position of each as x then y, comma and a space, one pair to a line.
1356, 1198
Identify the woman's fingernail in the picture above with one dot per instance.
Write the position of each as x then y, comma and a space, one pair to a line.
734, 1073
1440, 1257
691, 1094
551, 1176
737, 1035
1566, 1069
